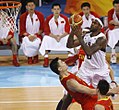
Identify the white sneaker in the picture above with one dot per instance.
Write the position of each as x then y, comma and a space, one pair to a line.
113, 58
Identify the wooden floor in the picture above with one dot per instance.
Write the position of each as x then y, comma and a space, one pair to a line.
34, 98
7, 60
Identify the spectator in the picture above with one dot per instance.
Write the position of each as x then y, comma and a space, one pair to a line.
56, 30
31, 28
7, 38
87, 15
113, 33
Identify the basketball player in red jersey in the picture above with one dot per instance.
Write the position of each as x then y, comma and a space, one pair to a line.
75, 86
104, 102
78, 89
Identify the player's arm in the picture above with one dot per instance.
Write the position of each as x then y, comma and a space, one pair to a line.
99, 107
111, 21
89, 50
71, 43
64, 34
113, 91
111, 73
74, 86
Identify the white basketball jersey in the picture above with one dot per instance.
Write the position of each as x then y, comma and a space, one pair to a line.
97, 59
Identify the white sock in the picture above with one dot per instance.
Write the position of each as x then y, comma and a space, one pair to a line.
46, 56
113, 51
70, 55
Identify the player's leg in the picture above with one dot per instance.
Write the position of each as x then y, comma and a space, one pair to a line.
85, 74
64, 102
14, 52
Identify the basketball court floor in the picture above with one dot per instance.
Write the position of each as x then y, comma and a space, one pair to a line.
35, 88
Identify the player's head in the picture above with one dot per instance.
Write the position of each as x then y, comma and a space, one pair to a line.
103, 87
85, 7
96, 25
30, 5
58, 66
56, 9
116, 5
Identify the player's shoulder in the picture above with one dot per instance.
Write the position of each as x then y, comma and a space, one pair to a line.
94, 14
99, 107
111, 10
101, 36
38, 13
24, 14
63, 16
48, 18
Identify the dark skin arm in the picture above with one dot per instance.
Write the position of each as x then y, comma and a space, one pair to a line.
89, 50
71, 43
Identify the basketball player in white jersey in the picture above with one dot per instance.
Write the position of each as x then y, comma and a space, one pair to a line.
94, 67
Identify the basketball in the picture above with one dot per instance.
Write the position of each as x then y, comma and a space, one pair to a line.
75, 19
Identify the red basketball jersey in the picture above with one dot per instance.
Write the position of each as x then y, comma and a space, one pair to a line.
106, 102
87, 102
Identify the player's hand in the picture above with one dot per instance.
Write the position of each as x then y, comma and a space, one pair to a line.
77, 30
4, 41
32, 37
113, 84
58, 39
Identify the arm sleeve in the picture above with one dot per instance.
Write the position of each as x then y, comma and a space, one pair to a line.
46, 26
22, 24
67, 25
110, 17
41, 19
95, 14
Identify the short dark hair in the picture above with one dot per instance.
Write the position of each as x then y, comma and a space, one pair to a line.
115, 2
56, 4
28, 1
85, 4
54, 65
103, 87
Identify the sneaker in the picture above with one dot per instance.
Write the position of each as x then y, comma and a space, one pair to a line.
113, 58
30, 60
35, 60
16, 63
46, 62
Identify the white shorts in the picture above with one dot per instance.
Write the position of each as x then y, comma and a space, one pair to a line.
93, 76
